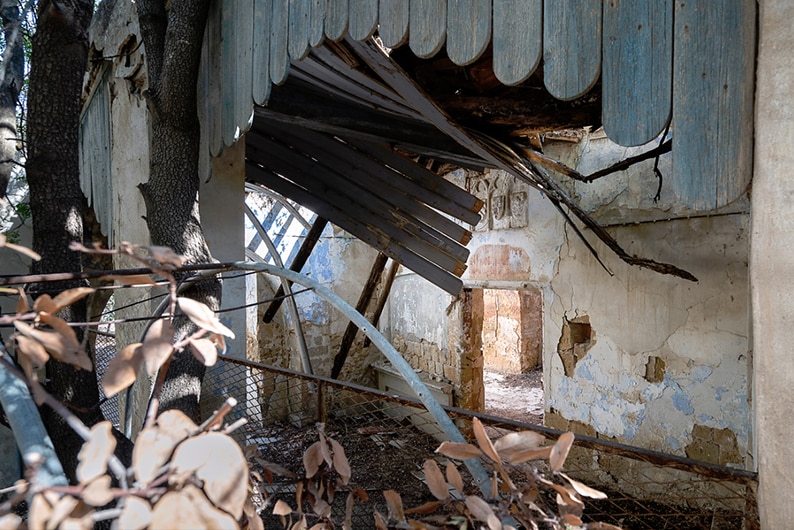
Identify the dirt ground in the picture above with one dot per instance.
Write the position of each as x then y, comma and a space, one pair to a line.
517, 397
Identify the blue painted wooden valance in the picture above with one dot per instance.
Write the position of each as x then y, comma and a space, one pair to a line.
689, 61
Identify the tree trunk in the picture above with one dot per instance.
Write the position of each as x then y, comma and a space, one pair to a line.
10, 85
58, 63
172, 39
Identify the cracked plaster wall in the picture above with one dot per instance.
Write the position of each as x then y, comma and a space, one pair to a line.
696, 335
699, 331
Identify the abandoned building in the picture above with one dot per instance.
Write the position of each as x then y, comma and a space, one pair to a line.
449, 166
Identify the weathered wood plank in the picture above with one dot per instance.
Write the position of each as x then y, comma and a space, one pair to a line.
393, 17
397, 249
362, 18
404, 194
279, 41
572, 46
261, 50
364, 299
428, 26
360, 201
228, 69
517, 39
243, 100
468, 29
637, 69
336, 19
214, 67
299, 27
713, 101
317, 22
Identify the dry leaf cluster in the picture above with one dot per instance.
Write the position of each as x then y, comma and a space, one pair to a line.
189, 476
508, 504
327, 473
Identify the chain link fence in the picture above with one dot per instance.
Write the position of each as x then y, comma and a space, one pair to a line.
388, 437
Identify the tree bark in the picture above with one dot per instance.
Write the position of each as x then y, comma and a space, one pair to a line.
173, 39
11, 79
58, 62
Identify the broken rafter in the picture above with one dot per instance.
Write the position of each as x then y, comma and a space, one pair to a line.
364, 299
497, 153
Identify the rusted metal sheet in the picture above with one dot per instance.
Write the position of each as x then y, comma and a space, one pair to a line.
468, 29
299, 28
517, 39
261, 50
637, 69
428, 23
279, 41
393, 18
336, 19
572, 46
713, 101
362, 18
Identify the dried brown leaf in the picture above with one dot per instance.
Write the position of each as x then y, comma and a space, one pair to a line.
60, 511
217, 460
435, 480
380, 521
204, 350
203, 316
482, 511
210, 515
341, 465
570, 519
349, 503
583, 489
135, 515
559, 451
157, 345
164, 255
95, 453
70, 296
395, 504
98, 492
484, 441
122, 369
458, 451
219, 342
61, 344
10, 521
518, 441
520, 457
175, 510
33, 350
454, 478
19, 248
41, 509
22, 302
322, 508
426, 508
177, 423
44, 303
27, 367
281, 508
134, 279
312, 459
152, 449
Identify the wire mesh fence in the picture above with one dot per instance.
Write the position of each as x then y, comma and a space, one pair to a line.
388, 437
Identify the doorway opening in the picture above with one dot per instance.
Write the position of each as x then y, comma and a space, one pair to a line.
512, 339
